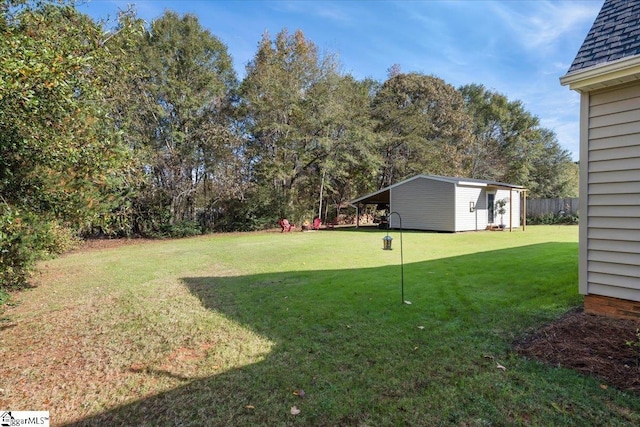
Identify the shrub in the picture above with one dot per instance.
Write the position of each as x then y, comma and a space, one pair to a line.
550, 219
24, 239
178, 229
20, 246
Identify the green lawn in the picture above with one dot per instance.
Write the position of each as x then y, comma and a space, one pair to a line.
228, 329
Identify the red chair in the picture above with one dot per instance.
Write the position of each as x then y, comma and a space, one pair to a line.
284, 225
317, 222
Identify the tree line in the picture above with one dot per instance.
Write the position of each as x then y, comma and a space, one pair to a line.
128, 128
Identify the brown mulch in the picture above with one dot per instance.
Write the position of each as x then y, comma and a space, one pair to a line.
590, 344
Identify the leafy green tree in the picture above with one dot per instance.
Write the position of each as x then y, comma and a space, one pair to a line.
351, 167
57, 159
554, 174
180, 128
286, 105
510, 145
424, 126
489, 111
572, 173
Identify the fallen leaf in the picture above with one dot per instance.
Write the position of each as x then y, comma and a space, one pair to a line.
420, 327
604, 386
407, 302
499, 366
488, 356
415, 348
250, 407
295, 410
348, 326
300, 393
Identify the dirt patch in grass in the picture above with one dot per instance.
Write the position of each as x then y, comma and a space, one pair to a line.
590, 344
105, 243
92, 244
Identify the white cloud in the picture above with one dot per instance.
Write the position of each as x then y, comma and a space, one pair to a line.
540, 24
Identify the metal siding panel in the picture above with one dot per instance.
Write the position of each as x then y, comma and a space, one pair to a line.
614, 199
615, 130
616, 234
466, 220
615, 153
617, 212
610, 256
627, 187
632, 247
583, 227
424, 204
615, 223
628, 163
614, 176
614, 291
614, 119
612, 142
517, 209
614, 280
614, 107
616, 259
619, 94
622, 270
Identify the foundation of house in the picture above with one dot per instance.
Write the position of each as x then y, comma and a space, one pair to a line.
612, 307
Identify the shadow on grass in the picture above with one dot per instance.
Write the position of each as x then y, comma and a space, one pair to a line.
361, 356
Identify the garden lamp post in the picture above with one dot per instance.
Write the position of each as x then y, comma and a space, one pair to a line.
386, 240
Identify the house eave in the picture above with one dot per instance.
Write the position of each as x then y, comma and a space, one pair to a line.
603, 75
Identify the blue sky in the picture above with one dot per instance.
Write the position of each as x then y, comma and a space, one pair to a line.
516, 47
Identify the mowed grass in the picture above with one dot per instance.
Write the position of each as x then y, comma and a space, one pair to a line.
239, 329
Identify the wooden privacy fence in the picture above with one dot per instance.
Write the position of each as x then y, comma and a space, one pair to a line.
539, 207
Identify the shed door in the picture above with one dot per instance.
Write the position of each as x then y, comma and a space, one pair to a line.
491, 198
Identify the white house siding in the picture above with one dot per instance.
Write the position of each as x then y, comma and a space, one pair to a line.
466, 220
512, 207
424, 204
611, 264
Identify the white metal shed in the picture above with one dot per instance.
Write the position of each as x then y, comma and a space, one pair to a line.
449, 204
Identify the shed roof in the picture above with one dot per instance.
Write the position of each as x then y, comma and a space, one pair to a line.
383, 196
615, 34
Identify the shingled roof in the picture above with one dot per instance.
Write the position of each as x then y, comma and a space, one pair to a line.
615, 34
